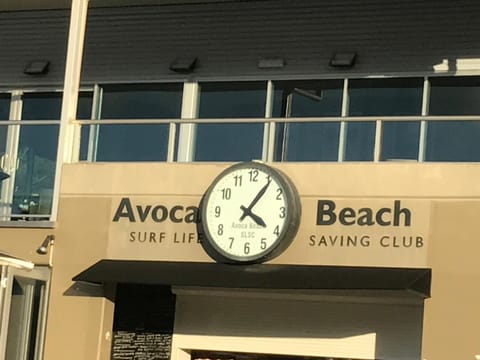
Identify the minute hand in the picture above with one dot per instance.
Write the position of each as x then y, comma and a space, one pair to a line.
255, 200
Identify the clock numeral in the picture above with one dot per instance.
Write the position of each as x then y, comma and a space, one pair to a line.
218, 211
277, 230
279, 194
253, 175
238, 180
282, 212
231, 242
246, 248
263, 243
226, 193
220, 229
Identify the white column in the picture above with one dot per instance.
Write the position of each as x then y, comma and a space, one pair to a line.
69, 134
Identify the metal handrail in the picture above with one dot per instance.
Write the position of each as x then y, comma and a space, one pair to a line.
248, 120
278, 120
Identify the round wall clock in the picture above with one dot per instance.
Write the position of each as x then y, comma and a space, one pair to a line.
250, 213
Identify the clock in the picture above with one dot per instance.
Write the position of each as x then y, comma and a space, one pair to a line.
250, 213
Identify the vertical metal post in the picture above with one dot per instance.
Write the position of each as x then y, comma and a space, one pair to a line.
269, 128
68, 138
187, 135
343, 124
93, 133
377, 150
422, 142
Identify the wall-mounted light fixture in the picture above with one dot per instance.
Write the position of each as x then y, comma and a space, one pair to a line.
183, 64
43, 248
343, 59
271, 63
37, 67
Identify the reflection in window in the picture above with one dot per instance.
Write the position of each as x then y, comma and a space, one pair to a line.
37, 152
384, 97
307, 141
142, 142
230, 142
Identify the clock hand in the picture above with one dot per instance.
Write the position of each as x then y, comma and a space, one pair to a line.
255, 200
254, 217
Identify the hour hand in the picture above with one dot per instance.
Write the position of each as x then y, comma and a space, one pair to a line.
247, 212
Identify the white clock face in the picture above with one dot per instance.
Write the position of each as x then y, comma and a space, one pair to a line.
246, 212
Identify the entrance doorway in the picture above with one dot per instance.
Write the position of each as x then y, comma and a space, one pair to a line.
23, 308
218, 355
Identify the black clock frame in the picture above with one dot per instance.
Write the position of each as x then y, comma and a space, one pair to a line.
285, 238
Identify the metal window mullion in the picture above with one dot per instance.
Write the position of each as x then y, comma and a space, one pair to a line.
343, 124
94, 129
269, 127
422, 142
188, 130
377, 149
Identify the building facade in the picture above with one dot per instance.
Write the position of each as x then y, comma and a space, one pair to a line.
118, 117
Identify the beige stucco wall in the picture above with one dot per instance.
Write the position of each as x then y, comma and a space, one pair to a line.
79, 323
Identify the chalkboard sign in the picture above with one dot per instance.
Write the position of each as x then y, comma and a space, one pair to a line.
141, 346
143, 323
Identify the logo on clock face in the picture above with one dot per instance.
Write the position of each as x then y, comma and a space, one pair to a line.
250, 213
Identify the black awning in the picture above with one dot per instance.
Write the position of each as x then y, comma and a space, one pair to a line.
258, 276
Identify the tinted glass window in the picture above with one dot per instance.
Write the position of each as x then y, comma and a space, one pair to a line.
455, 96
307, 141
400, 140
4, 115
4, 106
37, 152
142, 142
231, 142
385, 97
360, 141
84, 112
453, 141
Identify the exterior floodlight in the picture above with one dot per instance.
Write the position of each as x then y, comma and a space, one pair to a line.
43, 248
271, 63
343, 59
183, 64
37, 67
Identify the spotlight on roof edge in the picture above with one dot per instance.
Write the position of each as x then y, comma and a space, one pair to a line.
343, 59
